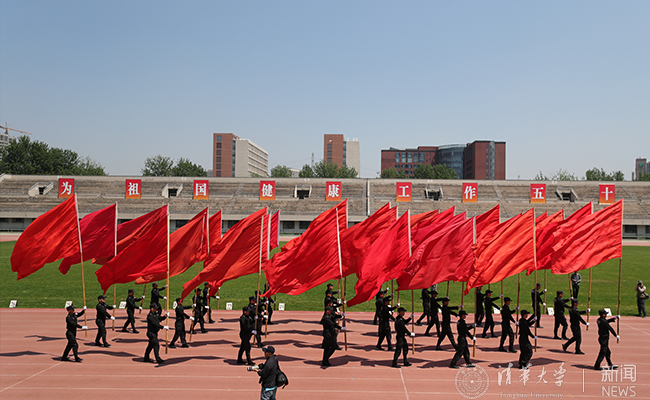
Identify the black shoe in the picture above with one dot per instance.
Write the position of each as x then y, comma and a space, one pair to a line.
470, 365
134, 331
77, 359
171, 346
341, 348
494, 336
192, 333
160, 361
65, 359
501, 349
454, 366
395, 366
556, 337
579, 352
512, 350
427, 334
484, 336
211, 322
418, 323
379, 348
407, 364
240, 362
185, 345
124, 330
438, 348
250, 363
597, 368
99, 344
271, 323
107, 345
147, 360
564, 346
565, 338
204, 331
613, 367
325, 364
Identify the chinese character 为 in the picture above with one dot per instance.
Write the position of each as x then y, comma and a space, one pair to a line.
506, 372
628, 371
470, 192
538, 193
267, 190
525, 374
559, 375
609, 375
333, 191
201, 189
134, 189
607, 192
67, 188
541, 376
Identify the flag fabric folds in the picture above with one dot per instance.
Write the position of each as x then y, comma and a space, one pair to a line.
547, 238
237, 254
98, 231
214, 232
342, 208
275, 231
486, 221
595, 239
50, 237
427, 226
131, 261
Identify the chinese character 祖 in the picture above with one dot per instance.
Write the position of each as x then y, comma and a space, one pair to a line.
559, 375
67, 188
508, 375
201, 189
134, 189
628, 371
541, 376
333, 191
267, 190
609, 375
470, 192
525, 374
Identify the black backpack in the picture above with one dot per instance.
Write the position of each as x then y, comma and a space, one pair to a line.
281, 379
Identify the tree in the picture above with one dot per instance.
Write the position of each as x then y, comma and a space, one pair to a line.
644, 177
346, 172
424, 171
185, 167
157, 166
596, 174
280, 171
392, 173
442, 171
306, 172
88, 166
560, 175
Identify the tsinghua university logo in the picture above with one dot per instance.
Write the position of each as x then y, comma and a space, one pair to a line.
472, 383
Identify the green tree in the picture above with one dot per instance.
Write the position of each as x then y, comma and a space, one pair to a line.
392, 173
424, 171
442, 171
280, 171
185, 167
346, 172
157, 166
306, 172
540, 177
596, 174
644, 177
323, 169
88, 166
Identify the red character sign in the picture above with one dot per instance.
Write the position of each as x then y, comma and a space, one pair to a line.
470, 192
606, 194
403, 192
333, 191
133, 189
538, 193
267, 190
201, 190
66, 188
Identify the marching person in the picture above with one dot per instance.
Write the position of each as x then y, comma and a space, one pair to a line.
525, 347
100, 321
130, 311
506, 328
329, 335
434, 306
604, 329
426, 303
245, 333
401, 331
575, 283
462, 350
206, 302
538, 303
179, 324
199, 311
379, 303
155, 296
480, 311
330, 290
257, 314
269, 302
384, 324
71, 333
576, 319
153, 326
559, 304
489, 309
641, 296
268, 374
447, 312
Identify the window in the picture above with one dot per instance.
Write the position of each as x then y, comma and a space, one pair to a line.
329, 146
303, 224
422, 157
218, 146
219, 152
630, 229
219, 138
218, 166
397, 157
410, 157
403, 157
288, 225
219, 159
329, 153
218, 173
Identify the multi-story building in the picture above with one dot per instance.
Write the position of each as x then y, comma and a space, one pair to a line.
342, 152
237, 157
641, 167
481, 159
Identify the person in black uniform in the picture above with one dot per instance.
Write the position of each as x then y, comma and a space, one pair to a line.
576, 319
206, 302
384, 324
426, 304
525, 347
179, 324
130, 311
155, 296
575, 283
153, 326
379, 303
268, 373
330, 290
257, 314
329, 335
536, 297
71, 333
447, 312
604, 329
480, 311
434, 306
401, 332
489, 308
462, 350
100, 321
199, 311
269, 303
506, 328
245, 333
559, 304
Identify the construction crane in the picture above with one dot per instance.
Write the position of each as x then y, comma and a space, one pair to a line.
7, 129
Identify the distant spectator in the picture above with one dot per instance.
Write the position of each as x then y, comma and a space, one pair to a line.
641, 295
575, 283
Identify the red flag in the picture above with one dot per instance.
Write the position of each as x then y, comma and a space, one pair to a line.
384, 260
356, 240
422, 218
342, 208
486, 221
130, 262
51, 236
97, 237
546, 237
596, 239
313, 260
504, 251
186, 245
237, 254
445, 256
214, 232
275, 230
425, 227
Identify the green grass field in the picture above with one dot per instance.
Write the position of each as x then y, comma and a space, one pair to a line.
48, 288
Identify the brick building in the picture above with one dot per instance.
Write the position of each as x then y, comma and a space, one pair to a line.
237, 157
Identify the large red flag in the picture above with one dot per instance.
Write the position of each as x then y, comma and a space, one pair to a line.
275, 231
422, 218
542, 224
214, 230
130, 262
342, 208
51, 236
186, 245
356, 240
313, 260
445, 256
596, 239
384, 260
97, 237
486, 221
237, 254
546, 238
427, 226
504, 251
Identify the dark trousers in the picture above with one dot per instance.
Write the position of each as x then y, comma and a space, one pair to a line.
506, 331
525, 353
425, 313
489, 324
604, 352
374, 321
72, 345
402, 346
153, 345
478, 317
462, 350
577, 338
258, 335
198, 318
101, 332
384, 333
244, 347
329, 348
179, 333
560, 320
434, 321
537, 313
576, 289
446, 333
130, 319
640, 304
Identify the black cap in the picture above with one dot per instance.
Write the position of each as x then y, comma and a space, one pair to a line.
538, 284
602, 312
401, 309
153, 305
488, 291
445, 299
252, 298
101, 296
198, 290
462, 312
524, 312
387, 299
206, 284
155, 284
434, 292
245, 309
329, 284
70, 308
179, 299
269, 349
131, 291
559, 292
574, 301
506, 299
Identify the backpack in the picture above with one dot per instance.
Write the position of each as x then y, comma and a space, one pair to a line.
281, 379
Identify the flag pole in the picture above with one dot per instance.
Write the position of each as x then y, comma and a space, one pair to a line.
570, 285
412, 293
167, 284
447, 295
545, 285
114, 297
268, 255
115, 254
475, 291
589, 296
81, 253
338, 244
259, 279
518, 291
143, 293
618, 308
502, 293
537, 293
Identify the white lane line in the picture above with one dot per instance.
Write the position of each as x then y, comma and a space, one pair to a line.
630, 326
406, 392
30, 377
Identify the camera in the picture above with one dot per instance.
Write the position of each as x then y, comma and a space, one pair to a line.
253, 368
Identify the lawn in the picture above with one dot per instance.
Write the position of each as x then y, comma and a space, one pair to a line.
48, 288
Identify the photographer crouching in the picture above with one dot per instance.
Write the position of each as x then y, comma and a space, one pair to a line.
268, 373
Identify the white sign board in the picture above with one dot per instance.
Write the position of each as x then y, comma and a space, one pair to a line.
122, 305
550, 311
281, 307
229, 306
609, 311
68, 304
12, 303
174, 306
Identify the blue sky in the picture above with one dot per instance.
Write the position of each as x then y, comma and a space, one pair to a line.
565, 84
